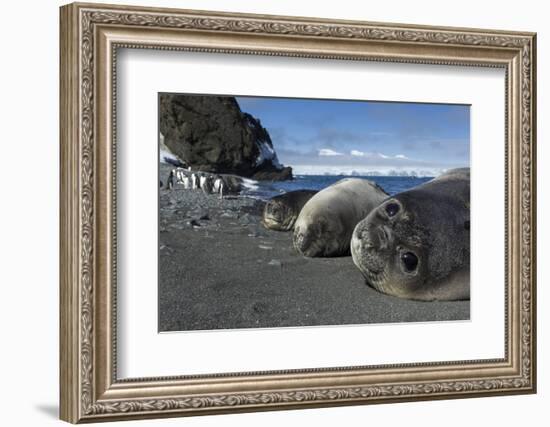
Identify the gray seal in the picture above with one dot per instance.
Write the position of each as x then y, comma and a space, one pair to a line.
416, 245
280, 212
326, 222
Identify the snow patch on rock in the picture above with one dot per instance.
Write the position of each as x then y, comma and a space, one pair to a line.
267, 154
166, 156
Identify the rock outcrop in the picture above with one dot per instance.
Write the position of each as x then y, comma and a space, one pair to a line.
212, 134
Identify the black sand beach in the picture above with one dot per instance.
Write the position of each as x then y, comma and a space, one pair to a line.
221, 269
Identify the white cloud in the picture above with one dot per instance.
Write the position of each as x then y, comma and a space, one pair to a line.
357, 153
329, 152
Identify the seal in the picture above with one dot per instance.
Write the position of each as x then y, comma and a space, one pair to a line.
416, 245
280, 212
326, 222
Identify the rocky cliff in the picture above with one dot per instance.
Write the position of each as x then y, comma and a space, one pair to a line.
212, 134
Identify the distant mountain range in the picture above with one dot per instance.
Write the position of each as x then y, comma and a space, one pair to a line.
349, 171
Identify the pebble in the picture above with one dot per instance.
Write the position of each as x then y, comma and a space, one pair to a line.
265, 247
245, 219
258, 234
180, 226
276, 263
228, 215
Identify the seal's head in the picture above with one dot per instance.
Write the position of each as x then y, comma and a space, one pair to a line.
278, 215
319, 238
411, 242
281, 212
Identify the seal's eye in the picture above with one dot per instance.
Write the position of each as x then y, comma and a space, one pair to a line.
410, 261
392, 209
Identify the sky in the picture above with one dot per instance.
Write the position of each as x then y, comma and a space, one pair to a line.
337, 135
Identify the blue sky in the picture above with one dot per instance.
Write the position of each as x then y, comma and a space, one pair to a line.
364, 134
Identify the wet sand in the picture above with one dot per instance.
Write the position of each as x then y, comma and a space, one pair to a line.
221, 269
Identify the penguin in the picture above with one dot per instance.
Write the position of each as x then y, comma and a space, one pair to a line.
170, 182
185, 182
202, 182
217, 184
194, 181
208, 184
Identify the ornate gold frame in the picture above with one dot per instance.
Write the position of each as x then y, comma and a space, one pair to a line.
90, 35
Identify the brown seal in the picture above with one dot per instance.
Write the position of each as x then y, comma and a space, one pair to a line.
280, 212
326, 222
416, 244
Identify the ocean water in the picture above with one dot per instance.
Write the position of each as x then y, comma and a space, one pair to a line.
265, 190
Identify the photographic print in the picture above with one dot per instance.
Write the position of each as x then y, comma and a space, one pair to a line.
281, 212
228, 174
